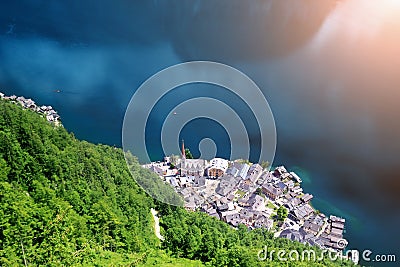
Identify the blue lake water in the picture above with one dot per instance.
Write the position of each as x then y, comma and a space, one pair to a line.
341, 142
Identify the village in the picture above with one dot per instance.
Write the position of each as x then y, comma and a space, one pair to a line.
239, 192
47, 111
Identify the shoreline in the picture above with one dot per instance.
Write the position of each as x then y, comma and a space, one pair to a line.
27, 103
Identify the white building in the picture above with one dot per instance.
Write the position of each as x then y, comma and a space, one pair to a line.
217, 167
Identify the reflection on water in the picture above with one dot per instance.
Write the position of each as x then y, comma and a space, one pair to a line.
329, 72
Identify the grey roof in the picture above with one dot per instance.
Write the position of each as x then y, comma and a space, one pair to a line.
292, 235
337, 225
281, 185
302, 212
199, 181
272, 189
227, 184
254, 172
307, 197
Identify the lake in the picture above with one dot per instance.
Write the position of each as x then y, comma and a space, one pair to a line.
334, 100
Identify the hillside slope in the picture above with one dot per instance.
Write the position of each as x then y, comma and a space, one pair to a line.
72, 203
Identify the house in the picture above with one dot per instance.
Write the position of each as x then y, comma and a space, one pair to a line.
301, 213
247, 216
285, 176
254, 172
257, 202
297, 189
271, 191
231, 197
192, 167
263, 222
190, 205
217, 167
311, 227
245, 185
296, 178
337, 225
238, 169
279, 171
333, 218
289, 184
281, 186
227, 185
233, 219
267, 177
292, 235
233, 171
213, 213
186, 192
337, 232
293, 203
244, 170
226, 213
199, 181
306, 198
173, 182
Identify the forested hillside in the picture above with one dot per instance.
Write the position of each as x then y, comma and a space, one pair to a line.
65, 202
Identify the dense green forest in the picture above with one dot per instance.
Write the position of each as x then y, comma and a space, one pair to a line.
65, 202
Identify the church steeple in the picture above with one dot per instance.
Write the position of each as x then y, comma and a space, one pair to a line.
183, 150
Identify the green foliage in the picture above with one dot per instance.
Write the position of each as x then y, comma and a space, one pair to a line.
63, 200
259, 191
153, 185
188, 154
282, 213
265, 164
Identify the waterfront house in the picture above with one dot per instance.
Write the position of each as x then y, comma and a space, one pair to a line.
296, 178
279, 171
307, 198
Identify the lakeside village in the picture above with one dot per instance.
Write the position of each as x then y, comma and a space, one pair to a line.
239, 192
47, 111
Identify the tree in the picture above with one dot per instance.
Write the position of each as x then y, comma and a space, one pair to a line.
188, 154
265, 164
282, 213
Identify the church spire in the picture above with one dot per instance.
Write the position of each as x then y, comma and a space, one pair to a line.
183, 150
